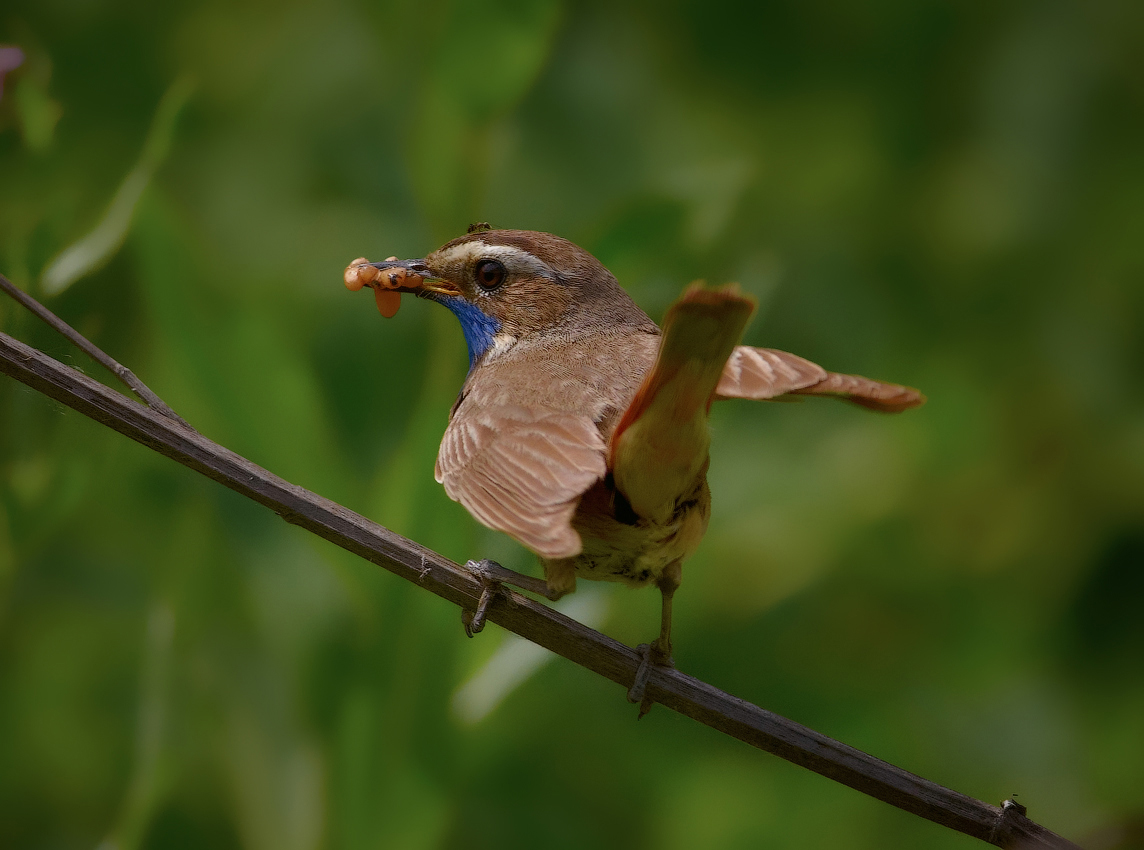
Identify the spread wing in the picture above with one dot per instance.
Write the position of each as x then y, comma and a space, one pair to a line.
764, 373
522, 472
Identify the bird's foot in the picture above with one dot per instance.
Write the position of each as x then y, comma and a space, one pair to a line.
650, 654
491, 575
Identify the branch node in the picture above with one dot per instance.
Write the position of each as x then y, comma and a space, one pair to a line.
291, 516
1003, 827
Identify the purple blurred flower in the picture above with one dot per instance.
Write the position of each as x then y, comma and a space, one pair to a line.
11, 58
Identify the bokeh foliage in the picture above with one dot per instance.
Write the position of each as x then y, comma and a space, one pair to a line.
946, 194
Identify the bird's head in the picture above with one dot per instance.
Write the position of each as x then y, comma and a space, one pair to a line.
506, 285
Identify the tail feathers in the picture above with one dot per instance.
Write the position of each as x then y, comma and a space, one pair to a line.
660, 444
760, 374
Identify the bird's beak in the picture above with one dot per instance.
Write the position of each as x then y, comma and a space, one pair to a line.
391, 277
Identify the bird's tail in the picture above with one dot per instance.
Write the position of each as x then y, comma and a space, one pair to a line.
661, 442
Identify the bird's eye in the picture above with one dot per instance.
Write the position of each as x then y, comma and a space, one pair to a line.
490, 274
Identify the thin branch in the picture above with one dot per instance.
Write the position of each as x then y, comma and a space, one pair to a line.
1005, 826
84, 344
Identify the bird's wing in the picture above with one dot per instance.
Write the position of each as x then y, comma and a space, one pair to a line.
762, 373
765, 373
522, 472
875, 395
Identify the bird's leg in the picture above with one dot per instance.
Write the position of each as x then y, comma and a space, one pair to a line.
658, 651
492, 575
668, 584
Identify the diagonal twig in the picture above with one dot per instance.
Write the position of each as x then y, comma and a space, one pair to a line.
1004, 826
95, 353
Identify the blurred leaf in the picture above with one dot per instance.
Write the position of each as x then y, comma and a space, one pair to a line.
517, 659
489, 54
276, 779
148, 782
94, 250
38, 114
486, 56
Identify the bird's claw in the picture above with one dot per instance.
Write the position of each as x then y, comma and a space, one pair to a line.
486, 572
639, 683
650, 654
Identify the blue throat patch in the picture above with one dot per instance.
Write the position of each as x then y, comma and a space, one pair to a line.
479, 329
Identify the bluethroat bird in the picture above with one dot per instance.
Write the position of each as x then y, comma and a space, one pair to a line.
581, 429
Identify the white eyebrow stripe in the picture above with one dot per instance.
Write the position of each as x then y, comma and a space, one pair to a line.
515, 259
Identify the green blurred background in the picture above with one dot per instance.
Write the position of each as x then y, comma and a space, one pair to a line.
949, 195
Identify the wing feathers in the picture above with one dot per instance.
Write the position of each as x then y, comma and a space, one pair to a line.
875, 395
765, 373
762, 373
522, 472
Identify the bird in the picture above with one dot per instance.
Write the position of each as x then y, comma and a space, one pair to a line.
581, 429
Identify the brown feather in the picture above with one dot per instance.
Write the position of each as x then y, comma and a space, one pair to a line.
761, 373
766, 373
519, 452
874, 395
522, 472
